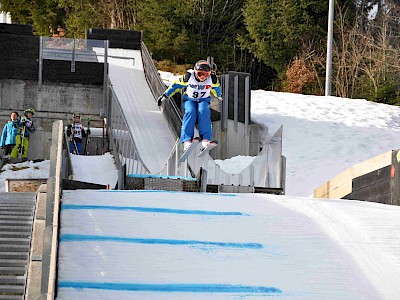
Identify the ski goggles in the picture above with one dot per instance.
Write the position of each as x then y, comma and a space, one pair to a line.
203, 73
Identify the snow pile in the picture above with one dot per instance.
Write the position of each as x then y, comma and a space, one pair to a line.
25, 170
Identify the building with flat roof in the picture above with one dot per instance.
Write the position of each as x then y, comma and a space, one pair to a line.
5, 17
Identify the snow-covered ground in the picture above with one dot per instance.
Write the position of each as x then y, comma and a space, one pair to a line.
175, 245
25, 170
166, 245
100, 169
323, 136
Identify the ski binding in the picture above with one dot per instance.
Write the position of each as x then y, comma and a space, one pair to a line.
207, 149
189, 150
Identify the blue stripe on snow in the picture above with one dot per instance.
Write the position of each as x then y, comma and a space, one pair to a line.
154, 210
98, 238
185, 288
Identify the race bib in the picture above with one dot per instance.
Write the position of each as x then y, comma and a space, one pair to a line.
197, 89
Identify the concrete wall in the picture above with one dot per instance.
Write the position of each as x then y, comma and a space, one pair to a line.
51, 103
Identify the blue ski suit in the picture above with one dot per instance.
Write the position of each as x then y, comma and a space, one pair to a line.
196, 102
9, 133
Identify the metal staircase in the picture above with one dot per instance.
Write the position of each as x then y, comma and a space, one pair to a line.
16, 221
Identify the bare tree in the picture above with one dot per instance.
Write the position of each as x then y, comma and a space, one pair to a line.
365, 53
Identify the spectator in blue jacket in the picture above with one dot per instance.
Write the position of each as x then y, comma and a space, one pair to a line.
9, 133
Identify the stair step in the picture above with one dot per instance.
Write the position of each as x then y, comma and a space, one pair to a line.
11, 297
14, 248
12, 289
13, 241
12, 271
16, 213
12, 280
15, 218
14, 255
12, 228
19, 235
4, 208
14, 263
15, 222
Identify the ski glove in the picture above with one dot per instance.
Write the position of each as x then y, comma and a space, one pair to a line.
161, 99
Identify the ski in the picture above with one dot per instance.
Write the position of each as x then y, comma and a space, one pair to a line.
21, 148
75, 151
3, 158
207, 149
74, 146
85, 152
192, 146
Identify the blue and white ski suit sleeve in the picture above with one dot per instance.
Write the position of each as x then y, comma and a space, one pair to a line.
196, 102
183, 82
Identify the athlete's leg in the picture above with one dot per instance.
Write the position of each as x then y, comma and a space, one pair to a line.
205, 126
189, 120
79, 147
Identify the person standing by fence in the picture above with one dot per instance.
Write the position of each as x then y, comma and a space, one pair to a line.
9, 134
26, 128
76, 133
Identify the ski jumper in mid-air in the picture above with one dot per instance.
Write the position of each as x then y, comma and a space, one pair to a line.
197, 86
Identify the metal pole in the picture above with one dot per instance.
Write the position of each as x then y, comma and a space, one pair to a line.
105, 80
235, 102
328, 80
225, 103
246, 105
73, 58
40, 75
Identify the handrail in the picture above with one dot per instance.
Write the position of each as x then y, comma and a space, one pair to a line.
50, 236
122, 140
170, 111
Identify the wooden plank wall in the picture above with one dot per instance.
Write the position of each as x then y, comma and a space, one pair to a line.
380, 184
341, 185
395, 178
373, 186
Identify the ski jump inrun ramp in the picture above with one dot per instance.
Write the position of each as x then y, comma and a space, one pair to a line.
153, 139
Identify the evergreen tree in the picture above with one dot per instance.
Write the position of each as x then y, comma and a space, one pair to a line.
80, 15
277, 28
42, 14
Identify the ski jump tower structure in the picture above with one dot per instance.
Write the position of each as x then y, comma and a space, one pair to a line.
115, 74
117, 66
146, 143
